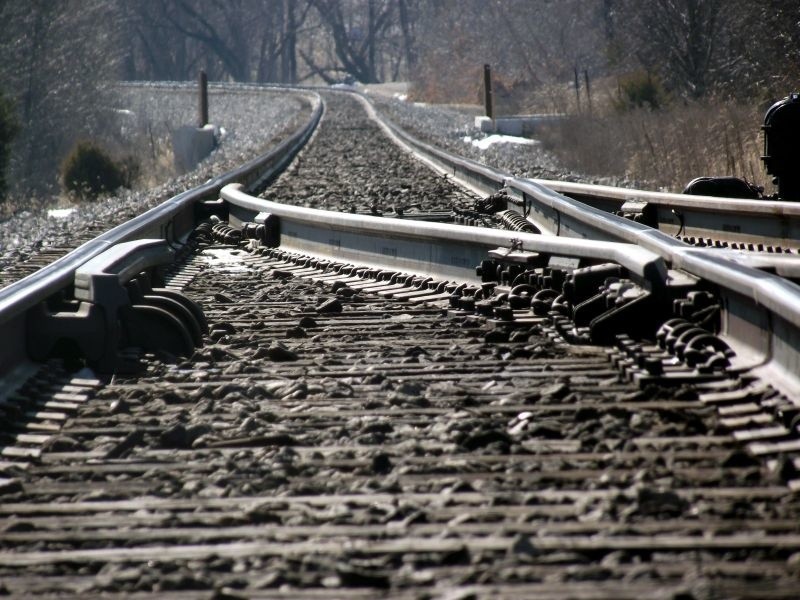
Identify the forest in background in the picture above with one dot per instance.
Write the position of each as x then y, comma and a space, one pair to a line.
656, 80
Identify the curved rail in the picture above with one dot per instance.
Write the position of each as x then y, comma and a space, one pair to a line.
761, 316
442, 250
474, 401
551, 212
579, 210
760, 309
586, 210
170, 220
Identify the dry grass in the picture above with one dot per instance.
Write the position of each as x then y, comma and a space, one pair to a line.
668, 148
148, 159
662, 149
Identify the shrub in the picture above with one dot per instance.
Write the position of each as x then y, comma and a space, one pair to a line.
89, 172
639, 90
8, 130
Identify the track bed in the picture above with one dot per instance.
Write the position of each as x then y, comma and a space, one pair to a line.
329, 444
352, 166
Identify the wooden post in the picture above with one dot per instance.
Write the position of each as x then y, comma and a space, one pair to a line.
577, 90
203, 89
588, 90
487, 91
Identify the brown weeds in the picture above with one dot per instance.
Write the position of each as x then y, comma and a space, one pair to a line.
667, 148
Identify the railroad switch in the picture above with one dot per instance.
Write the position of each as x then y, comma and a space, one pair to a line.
213, 208
781, 133
115, 306
493, 211
667, 333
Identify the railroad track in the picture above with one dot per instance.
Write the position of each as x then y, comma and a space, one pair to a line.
703, 221
59, 241
729, 226
706, 221
358, 411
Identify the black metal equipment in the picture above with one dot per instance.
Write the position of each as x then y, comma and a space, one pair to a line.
725, 187
781, 135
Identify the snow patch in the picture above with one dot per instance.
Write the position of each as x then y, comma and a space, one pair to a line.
497, 138
60, 213
227, 260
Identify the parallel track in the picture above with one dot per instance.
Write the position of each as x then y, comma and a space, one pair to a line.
754, 225
342, 433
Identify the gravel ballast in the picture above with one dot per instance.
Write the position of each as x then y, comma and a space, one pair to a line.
453, 129
351, 165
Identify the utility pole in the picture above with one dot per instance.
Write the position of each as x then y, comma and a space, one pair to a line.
203, 90
588, 90
487, 91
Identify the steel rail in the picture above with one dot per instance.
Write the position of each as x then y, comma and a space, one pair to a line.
574, 217
557, 214
442, 250
560, 215
772, 222
551, 212
761, 310
171, 220
775, 223
755, 302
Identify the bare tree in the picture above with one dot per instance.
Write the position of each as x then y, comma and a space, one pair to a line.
529, 43
217, 29
680, 40
547, 41
280, 22
57, 58
8, 129
763, 54
358, 29
451, 50
153, 50
409, 13
239, 40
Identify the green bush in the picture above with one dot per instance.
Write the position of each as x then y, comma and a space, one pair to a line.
639, 90
89, 172
8, 130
